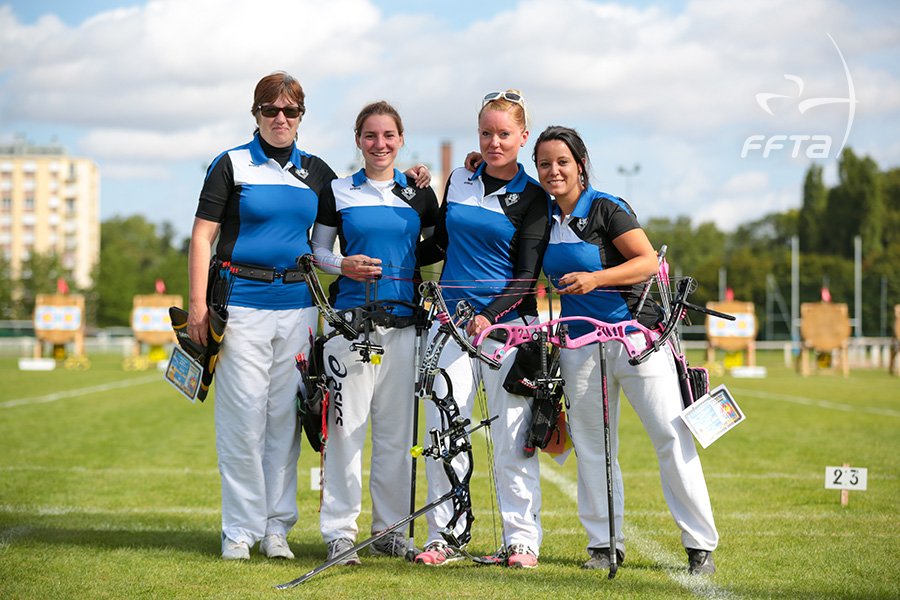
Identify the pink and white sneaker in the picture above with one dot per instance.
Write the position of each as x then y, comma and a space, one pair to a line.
521, 557
436, 554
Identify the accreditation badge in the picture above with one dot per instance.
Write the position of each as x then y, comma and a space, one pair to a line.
183, 373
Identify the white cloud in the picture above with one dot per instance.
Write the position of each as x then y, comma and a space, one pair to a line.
153, 86
743, 183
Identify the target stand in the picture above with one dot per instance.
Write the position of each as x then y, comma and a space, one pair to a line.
825, 330
152, 329
737, 338
58, 323
894, 364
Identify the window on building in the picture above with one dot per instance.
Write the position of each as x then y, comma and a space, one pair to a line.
6, 203
70, 206
29, 202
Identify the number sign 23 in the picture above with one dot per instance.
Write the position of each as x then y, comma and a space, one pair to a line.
845, 478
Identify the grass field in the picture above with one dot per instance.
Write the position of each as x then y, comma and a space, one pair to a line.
109, 489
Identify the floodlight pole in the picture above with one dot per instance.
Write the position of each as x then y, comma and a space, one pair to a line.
857, 284
795, 292
628, 174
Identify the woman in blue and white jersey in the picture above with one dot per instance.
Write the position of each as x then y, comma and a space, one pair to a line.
378, 216
598, 258
257, 203
493, 230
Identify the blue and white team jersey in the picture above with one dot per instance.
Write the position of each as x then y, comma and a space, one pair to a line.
265, 211
380, 221
494, 243
583, 241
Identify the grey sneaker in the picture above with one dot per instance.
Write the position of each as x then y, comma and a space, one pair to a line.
600, 558
338, 547
275, 545
232, 550
700, 562
393, 544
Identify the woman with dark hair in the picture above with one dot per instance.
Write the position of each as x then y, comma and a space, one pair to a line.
492, 230
597, 258
258, 202
379, 218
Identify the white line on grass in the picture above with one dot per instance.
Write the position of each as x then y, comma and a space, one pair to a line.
675, 568
7, 536
94, 510
138, 471
213, 472
79, 392
820, 403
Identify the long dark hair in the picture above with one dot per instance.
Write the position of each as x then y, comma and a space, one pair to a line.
573, 142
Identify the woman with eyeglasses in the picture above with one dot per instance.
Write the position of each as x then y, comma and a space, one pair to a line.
492, 231
378, 216
257, 204
599, 258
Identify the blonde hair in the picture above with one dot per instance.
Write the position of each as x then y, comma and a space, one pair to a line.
515, 109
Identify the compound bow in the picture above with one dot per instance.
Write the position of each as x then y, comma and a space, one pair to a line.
454, 437
555, 332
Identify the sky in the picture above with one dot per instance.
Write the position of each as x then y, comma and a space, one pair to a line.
713, 110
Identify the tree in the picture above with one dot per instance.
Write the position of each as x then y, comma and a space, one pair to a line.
40, 273
890, 188
812, 211
133, 256
688, 247
7, 289
772, 233
855, 207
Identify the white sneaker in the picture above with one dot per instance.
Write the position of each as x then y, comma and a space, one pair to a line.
275, 545
232, 550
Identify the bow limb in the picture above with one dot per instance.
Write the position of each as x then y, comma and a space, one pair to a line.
464, 311
331, 316
601, 332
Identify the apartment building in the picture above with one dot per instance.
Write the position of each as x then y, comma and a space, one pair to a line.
49, 203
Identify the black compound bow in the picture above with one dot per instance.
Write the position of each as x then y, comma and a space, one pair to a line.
448, 442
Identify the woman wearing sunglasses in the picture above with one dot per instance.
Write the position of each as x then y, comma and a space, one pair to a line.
379, 217
257, 203
492, 230
599, 258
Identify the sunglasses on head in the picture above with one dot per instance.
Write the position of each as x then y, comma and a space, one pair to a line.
511, 96
290, 112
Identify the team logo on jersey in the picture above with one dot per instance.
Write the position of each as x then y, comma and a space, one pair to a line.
303, 173
511, 199
408, 193
581, 223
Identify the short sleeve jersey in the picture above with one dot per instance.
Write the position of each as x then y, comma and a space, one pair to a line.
381, 222
583, 241
494, 243
265, 211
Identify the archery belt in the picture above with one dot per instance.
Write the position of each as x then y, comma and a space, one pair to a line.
264, 274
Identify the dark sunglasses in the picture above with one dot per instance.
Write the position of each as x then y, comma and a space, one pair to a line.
290, 112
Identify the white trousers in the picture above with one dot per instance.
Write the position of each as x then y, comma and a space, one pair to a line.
257, 433
359, 390
652, 389
517, 476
